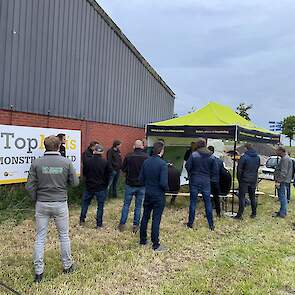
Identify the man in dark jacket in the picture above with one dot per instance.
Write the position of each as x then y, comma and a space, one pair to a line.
173, 182
131, 166
215, 181
201, 167
190, 151
62, 139
115, 160
97, 172
89, 151
247, 174
154, 176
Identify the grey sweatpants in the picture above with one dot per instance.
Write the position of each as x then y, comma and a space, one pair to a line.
60, 213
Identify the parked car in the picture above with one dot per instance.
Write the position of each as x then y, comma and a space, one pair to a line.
267, 171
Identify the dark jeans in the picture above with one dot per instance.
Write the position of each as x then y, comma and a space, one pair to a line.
204, 189
114, 183
131, 191
87, 197
249, 188
155, 204
215, 191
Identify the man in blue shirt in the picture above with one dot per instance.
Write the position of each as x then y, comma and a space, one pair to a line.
154, 176
201, 168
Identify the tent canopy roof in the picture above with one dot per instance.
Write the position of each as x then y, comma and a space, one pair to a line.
212, 121
213, 114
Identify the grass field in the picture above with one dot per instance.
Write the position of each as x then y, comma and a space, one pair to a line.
248, 257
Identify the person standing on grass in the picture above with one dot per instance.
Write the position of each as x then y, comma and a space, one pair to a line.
190, 151
48, 181
215, 181
62, 139
247, 174
115, 160
131, 166
88, 153
154, 176
97, 172
201, 167
283, 177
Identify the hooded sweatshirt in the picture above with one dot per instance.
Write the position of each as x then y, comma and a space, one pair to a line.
248, 167
201, 167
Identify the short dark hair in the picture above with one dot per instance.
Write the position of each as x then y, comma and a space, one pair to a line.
281, 149
60, 135
200, 143
93, 143
51, 143
157, 147
116, 142
248, 146
211, 148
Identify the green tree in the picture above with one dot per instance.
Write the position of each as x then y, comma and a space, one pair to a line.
242, 110
289, 127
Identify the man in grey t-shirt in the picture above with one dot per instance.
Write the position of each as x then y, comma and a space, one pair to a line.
48, 181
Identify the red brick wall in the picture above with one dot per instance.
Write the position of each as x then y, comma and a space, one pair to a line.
104, 133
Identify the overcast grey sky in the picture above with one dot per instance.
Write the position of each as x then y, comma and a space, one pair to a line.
226, 51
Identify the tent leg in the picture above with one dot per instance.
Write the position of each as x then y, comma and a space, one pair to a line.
234, 176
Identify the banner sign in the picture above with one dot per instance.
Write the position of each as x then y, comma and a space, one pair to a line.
254, 135
20, 145
216, 132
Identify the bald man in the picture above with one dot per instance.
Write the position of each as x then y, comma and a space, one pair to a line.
131, 167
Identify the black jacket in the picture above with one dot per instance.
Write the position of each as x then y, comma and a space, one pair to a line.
97, 172
248, 167
88, 154
173, 179
187, 154
132, 165
115, 159
62, 150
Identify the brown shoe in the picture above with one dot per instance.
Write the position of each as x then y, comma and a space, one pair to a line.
135, 229
121, 227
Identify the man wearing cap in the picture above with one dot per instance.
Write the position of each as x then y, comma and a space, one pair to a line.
97, 172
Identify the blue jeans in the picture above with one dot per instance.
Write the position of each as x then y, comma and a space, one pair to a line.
155, 204
114, 183
131, 191
100, 198
282, 192
288, 189
204, 189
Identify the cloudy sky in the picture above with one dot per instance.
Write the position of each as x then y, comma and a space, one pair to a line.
226, 51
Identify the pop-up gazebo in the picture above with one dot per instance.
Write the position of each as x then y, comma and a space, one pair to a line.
214, 121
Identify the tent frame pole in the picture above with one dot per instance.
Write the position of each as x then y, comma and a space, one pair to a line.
234, 171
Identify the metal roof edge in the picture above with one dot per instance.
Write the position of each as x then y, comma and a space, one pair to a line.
122, 36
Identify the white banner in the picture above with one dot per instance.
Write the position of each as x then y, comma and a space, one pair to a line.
20, 145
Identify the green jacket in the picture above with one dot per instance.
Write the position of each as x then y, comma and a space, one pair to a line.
49, 178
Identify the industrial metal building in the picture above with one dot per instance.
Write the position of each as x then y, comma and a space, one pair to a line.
65, 63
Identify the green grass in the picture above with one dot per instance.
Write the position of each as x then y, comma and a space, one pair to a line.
247, 257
